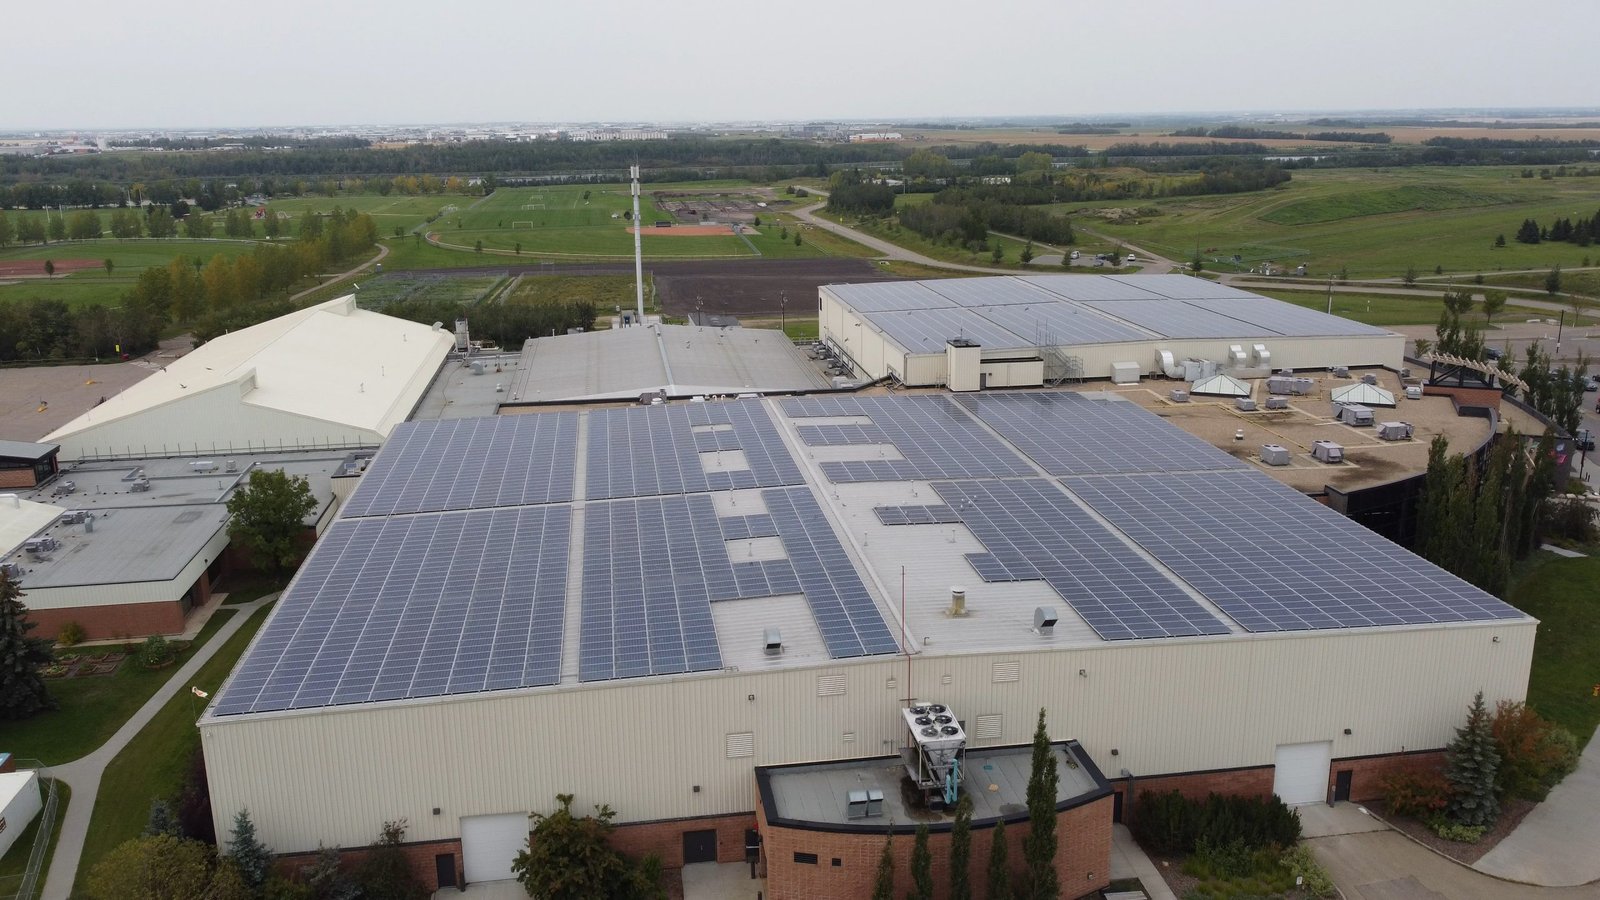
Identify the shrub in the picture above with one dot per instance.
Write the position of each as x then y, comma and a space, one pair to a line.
1450, 831
71, 635
1416, 794
1535, 754
156, 651
1173, 823
1314, 878
1226, 859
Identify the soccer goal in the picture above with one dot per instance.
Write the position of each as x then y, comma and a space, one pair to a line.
521, 224
533, 206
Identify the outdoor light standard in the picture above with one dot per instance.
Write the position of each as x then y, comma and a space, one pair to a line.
783, 303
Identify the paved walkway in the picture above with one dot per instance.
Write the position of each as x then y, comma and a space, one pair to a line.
84, 774
1558, 844
1129, 861
383, 250
1321, 820
1387, 865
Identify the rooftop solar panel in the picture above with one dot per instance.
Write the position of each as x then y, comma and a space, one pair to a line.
1179, 287
1284, 318
645, 450
1276, 560
978, 292
1033, 531
387, 608
1090, 287
1176, 319
936, 439
928, 330
1066, 433
1057, 323
887, 295
470, 464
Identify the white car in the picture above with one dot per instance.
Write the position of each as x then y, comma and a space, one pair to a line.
1075, 254
1131, 259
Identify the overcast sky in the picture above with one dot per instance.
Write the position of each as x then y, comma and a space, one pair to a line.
174, 63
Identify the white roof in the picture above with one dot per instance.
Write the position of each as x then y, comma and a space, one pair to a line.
1220, 384
22, 519
333, 363
1363, 394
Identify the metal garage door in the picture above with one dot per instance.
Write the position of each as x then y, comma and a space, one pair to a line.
1301, 773
490, 843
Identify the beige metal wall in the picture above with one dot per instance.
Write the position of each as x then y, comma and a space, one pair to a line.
132, 592
644, 745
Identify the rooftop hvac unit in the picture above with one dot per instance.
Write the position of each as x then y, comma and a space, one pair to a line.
934, 752
12, 571
1275, 454
1277, 403
478, 367
1169, 367
772, 642
856, 804
1044, 619
1369, 378
40, 545
203, 465
1414, 392
1354, 414
140, 485
1244, 404
1236, 356
1125, 373
230, 465
1180, 396
73, 516
1288, 384
1327, 451
1263, 356
68, 487
1395, 431
1341, 371
1404, 374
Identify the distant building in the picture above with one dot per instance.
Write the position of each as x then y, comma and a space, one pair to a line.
872, 136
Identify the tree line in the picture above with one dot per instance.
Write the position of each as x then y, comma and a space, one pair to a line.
1477, 518
507, 324
211, 194
1239, 132
1583, 232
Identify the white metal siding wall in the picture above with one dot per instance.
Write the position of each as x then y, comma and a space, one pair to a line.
133, 592
642, 746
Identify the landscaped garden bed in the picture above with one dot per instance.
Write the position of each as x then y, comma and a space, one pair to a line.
1228, 847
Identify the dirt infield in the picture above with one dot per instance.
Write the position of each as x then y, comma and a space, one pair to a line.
722, 287
684, 230
36, 266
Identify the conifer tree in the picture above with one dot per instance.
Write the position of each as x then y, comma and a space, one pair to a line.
22, 690
999, 865
961, 850
1471, 761
883, 888
253, 860
921, 867
1039, 847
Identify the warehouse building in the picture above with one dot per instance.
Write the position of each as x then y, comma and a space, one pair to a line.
716, 617
327, 376
1017, 331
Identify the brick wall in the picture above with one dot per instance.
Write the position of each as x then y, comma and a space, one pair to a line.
1367, 772
1253, 782
1486, 397
420, 855
665, 839
104, 623
16, 478
1083, 857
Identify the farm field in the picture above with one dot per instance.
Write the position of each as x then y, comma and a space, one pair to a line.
1371, 223
95, 285
376, 293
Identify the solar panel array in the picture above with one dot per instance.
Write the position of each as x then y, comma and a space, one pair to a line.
645, 450
414, 606
1032, 531
1175, 287
652, 567
1177, 319
887, 295
1054, 324
470, 464
1276, 560
928, 330
937, 439
933, 514
1284, 318
1067, 433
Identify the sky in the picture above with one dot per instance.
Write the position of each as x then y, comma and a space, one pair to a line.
105, 64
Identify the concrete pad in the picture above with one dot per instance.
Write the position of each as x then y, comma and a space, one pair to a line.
1387, 865
485, 890
721, 881
1555, 845
1322, 820
1128, 860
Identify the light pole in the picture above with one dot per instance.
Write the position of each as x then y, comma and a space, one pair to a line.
783, 303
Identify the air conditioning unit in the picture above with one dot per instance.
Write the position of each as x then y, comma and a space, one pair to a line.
1414, 392
203, 465
1327, 451
140, 485
1277, 403
1275, 455
1395, 431
1244, 404
1341, 371
12, 571
1180, 396
855, 804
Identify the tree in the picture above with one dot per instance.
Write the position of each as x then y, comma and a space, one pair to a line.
1410, 277
921, 867
1552, 280
1499, 240
85, 225
385, 872
252, 858
1039, 847
518, 248
1534, 754
478, 247
49, 268
22, 690
272, 225
155, 867
1027, 253
1493, 303
1066, 260
7, 232
567, 858
57, 227
162, 820
1424, 347
1528, 233
197, 226
999, 866
1471, 762
110, 264
797, 237
159, 223
961, 850
268, 516
998, 253
883, 887
228, 883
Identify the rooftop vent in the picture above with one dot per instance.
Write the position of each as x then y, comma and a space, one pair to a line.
12, 571
203, 465
1044, 619
958, 603
1369, 378
856, 805
772, 642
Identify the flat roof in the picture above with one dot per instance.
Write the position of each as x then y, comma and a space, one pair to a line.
26, 450
694, 524
682, 360
996, 778
22, 519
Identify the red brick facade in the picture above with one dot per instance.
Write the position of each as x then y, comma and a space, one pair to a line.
1083, 857
16, 478
1464, 396
1368, 772
106, 623
421, 855
665, 838
1252, 782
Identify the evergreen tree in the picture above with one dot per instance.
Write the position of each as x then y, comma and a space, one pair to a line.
22, 690
1529, 232
883, 888
1552, 280
252, 858
961, 850
1039, 847
921, 867
162, 820
999, 865
1471, 761
1491, 562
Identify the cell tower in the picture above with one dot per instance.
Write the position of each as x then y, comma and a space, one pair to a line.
638, 252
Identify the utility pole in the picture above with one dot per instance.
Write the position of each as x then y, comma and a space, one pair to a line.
638, 246
1330, 295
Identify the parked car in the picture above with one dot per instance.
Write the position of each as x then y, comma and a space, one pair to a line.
1585, 440
1494, 353
1074, 255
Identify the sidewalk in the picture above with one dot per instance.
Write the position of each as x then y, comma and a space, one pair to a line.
1128, 861
1558, 844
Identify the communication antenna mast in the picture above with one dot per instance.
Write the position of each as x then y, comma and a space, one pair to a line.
638, 252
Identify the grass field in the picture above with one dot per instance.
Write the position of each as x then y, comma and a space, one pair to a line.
129, 258
92, 708
154, 763
1374, 223
1566, 657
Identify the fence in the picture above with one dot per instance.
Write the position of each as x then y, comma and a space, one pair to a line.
26, 886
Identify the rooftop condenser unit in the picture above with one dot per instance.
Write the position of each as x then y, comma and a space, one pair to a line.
935, 748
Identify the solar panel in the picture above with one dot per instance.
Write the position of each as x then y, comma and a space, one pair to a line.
1057, 323
843, 609
984, 292
1176, 319
928, 330
470, 464
936, 439
1090, 287
1283, 318
1032, 531
414, 606
646, 450
934, 514
1179, 287
886, 295
1276, 560
1067, 433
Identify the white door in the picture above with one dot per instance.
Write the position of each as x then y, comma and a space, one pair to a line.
490, 843
1301, 772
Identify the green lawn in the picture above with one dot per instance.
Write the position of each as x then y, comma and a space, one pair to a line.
155, 761
1560, 593
129, 258
1375, 223
1385, 311
92, 708
15, 861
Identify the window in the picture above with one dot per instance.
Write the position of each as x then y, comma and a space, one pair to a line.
809, 859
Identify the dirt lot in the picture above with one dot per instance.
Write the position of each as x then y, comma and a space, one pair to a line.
36, 266
723, 287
